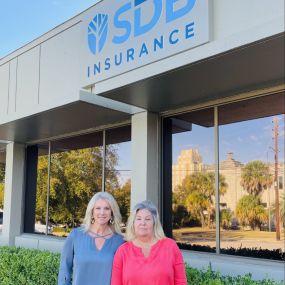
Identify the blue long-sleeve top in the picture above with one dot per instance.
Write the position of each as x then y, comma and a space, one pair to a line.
81, 263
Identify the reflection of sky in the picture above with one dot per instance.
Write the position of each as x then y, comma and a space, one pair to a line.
199, 138
124, 161
249, 140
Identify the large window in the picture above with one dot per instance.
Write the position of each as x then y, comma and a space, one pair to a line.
240, 154
69, 172
193, 178
251, 144
118, 177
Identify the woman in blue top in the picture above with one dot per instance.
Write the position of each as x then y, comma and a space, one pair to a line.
88, 251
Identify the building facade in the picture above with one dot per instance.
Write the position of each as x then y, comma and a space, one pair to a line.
155, 71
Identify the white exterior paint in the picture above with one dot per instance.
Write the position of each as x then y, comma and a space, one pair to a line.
234, 17
145, 160
14, 193
59, 70
4, 89
236, 265
12, 91
28, 81
233, 24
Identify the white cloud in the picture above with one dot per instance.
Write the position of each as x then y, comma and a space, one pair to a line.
240, 139
253, 138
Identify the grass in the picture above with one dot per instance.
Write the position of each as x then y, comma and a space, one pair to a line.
210, 234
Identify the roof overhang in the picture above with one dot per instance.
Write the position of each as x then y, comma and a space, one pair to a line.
86, 114
240, 70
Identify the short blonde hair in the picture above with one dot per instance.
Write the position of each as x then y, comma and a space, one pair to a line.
157, 228
116, 215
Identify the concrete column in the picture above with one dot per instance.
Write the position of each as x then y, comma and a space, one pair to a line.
14, 193
145, 158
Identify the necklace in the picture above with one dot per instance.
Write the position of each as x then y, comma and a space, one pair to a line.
103, 236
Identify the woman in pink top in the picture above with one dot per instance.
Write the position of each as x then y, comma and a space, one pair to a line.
148, 258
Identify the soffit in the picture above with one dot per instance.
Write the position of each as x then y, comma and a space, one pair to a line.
68, 119
247, 68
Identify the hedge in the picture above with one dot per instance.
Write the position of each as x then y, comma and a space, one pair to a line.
275, 254
19, 266
211, 277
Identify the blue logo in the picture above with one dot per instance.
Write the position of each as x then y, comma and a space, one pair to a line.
127, 23
97, 33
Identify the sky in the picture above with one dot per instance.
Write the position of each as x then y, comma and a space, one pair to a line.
22, 21
247, 140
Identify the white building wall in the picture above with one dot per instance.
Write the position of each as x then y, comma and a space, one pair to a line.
59, 69
14, 194
12, 87
234, 17
233, 23
28, 81
41, 78
4, 90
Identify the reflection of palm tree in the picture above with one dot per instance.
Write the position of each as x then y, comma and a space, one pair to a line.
199, 189
250, 212
255, 177
226, 217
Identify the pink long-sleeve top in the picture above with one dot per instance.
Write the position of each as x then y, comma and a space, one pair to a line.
163, 266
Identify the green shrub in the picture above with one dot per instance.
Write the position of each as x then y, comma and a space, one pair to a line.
19, 266
211, 277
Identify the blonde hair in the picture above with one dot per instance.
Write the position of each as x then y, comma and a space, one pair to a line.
157, 228
116, 215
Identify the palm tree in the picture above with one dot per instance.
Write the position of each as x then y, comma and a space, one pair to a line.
199, 192
226, 217
255, 177
250, 212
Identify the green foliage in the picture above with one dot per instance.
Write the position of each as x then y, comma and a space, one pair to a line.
197, 194
2, 172
123, 198
211, 277
226, 217
180, 216
256, 177
1, 195
75, 177
250, 212
20, 266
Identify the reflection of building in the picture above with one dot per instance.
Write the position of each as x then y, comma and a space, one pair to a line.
190, 161
231, 170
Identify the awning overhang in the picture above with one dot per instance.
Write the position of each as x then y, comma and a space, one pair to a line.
86, 114
246, 68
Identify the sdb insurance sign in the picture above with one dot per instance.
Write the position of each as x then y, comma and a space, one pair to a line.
121, 35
